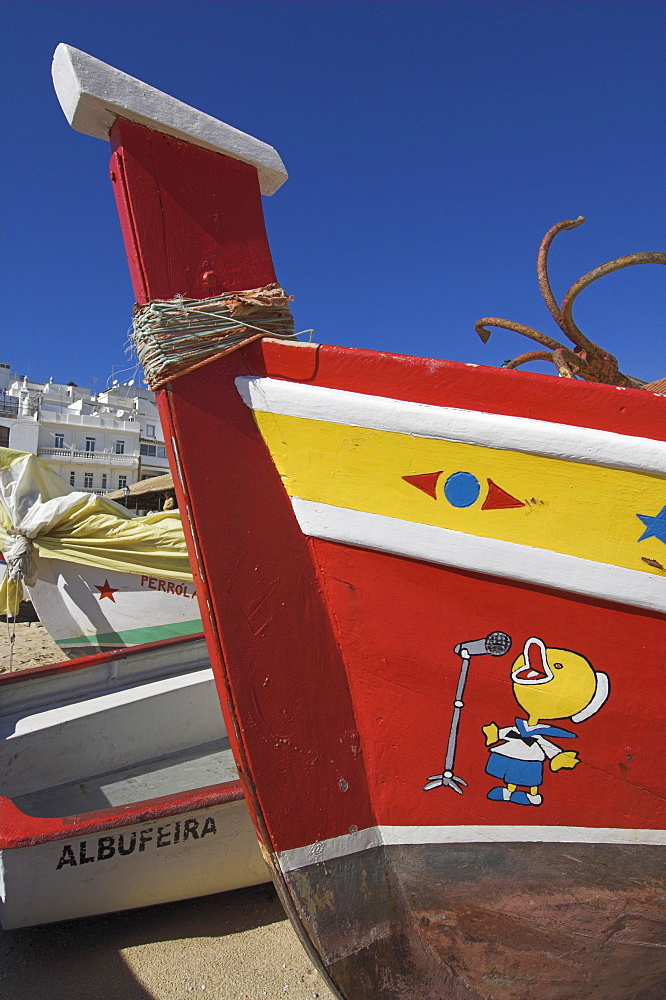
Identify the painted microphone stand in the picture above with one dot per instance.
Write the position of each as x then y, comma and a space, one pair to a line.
495, 644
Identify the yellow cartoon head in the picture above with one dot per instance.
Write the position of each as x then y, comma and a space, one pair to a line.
557, 683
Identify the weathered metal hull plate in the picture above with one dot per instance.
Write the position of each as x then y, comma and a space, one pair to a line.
477, 921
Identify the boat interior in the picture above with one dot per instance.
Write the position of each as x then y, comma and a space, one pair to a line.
126, 727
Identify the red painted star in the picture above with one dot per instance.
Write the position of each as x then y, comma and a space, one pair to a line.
107, 591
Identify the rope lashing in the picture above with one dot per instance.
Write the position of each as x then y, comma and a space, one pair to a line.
21, 565
176, 336
20, 557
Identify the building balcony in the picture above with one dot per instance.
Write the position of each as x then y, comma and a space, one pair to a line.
94, 421
97, 457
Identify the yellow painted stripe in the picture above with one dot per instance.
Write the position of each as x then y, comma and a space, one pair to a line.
574, 508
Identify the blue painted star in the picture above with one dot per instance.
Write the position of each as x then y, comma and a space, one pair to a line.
655, 527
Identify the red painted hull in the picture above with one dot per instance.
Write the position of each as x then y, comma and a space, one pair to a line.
333, 623
337, 665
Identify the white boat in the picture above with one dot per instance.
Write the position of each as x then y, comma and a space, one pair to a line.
119, 788
99, 577
89, 610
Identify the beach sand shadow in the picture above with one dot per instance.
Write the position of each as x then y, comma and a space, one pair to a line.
82, 959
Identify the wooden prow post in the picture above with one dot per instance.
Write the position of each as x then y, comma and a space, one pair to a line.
193, 225
188, 187
192, 220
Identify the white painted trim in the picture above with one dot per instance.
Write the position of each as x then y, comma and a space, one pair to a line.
387, 836
93, 94
476, 554
490, 430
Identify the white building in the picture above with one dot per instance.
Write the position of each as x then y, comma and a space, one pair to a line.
96, 443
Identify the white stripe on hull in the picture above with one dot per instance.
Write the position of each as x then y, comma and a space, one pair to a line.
476, 554
378, 836
490, 430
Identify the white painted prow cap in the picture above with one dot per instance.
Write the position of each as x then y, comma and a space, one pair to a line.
93, 94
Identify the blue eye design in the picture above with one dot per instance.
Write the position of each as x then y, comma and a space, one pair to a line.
462, 489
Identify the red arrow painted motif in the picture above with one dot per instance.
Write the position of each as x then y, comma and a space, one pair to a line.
499, 499
427, 482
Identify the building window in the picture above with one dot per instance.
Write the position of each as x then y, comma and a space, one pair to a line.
71, 479
122, 482
8, 404
154, 450
4, 437
150, 430
120, 447
60, 441
104, 480
90, 444
87, 480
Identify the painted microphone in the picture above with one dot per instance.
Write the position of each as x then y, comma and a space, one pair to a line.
495, 644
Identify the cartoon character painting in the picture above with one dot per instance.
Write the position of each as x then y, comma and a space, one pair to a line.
548, 684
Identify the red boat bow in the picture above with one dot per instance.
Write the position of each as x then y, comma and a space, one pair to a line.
336, 595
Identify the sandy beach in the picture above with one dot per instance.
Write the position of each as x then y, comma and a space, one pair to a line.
233, 946
33, 646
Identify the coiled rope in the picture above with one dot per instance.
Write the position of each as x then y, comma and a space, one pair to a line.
177, 336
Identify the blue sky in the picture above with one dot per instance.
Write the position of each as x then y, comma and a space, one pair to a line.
429, 145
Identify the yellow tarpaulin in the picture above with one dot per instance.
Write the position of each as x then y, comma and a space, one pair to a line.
42, 517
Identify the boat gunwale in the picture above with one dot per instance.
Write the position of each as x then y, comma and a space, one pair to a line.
18, 829
95, 659
464, 385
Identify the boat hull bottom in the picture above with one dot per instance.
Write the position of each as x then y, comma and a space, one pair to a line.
489, 921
